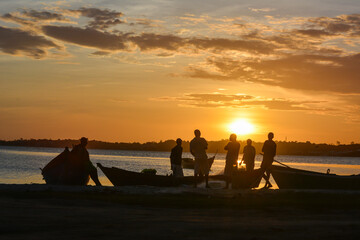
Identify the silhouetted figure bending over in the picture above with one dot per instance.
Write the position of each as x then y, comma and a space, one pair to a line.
232, 155
198, 146
269, 150
176, 158
249, 156
83, 155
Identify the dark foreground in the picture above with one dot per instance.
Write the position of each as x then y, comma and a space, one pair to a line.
45, 212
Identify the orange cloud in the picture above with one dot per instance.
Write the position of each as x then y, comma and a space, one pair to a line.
16, 42
85, 37
339, 74
216, 100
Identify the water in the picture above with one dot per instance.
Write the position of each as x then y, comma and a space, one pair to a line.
22, 165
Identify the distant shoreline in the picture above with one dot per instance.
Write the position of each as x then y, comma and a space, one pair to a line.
283, 148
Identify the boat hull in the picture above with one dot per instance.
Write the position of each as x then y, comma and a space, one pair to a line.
62, 171
291, 178
189, 163
121, 177
246, 179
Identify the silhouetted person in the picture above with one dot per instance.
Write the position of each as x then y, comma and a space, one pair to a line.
232, 155
84, 160
269, 150
198, 146
175, 159
249, 156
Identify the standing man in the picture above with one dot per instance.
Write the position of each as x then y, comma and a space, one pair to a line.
233, 148
176, 158
269, 150
249, 156
198, 148
84, 160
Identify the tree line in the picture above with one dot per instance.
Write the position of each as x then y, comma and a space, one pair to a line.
283, 147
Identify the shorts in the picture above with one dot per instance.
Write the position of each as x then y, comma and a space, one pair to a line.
250, 166
229, 169
266, 163
177, 170
201, 166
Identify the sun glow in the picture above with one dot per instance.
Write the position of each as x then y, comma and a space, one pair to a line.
241, 127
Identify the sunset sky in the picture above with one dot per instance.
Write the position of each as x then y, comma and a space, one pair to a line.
155, 70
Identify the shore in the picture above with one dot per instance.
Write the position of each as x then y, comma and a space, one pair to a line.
38, 211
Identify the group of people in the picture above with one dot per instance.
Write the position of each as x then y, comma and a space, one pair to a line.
199, 145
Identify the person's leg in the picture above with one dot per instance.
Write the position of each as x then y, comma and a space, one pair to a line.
195, 180
94, 177
180, 171
196, 172
207, 180
267, 184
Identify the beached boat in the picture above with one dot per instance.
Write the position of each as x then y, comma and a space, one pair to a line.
121, 177
189, 163
65, 170
242, 179
291, 178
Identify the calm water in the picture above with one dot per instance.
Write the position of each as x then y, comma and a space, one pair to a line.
22, 164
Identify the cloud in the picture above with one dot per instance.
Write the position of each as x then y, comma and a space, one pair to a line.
339, 74
102, 18
147, 41
256, 46
86, 37
219, 100
18, 42
262, 9
145, 22
33, 17
313, 32
44, 15
101, 53
8, 17
340, 24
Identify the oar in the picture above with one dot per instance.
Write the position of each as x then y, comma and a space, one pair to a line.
281, 163
216, 153
278, 162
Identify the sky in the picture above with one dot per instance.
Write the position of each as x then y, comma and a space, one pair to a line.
138, 71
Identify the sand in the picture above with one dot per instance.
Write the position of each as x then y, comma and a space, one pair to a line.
38, 211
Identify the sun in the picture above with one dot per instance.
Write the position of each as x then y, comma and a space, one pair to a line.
241, 127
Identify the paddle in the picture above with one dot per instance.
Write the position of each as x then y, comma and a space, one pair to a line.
216, 153
281, 163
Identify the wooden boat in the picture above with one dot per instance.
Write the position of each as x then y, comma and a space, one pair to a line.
189, 163
121, 177
291, 178
242, 179
64, 170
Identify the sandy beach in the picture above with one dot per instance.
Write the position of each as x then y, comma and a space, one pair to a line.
38, 211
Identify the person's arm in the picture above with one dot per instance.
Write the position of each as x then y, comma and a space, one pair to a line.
275, 150
191, 149
253, 153
172, 153
237, 151
244, 151
226, 147
263, 148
